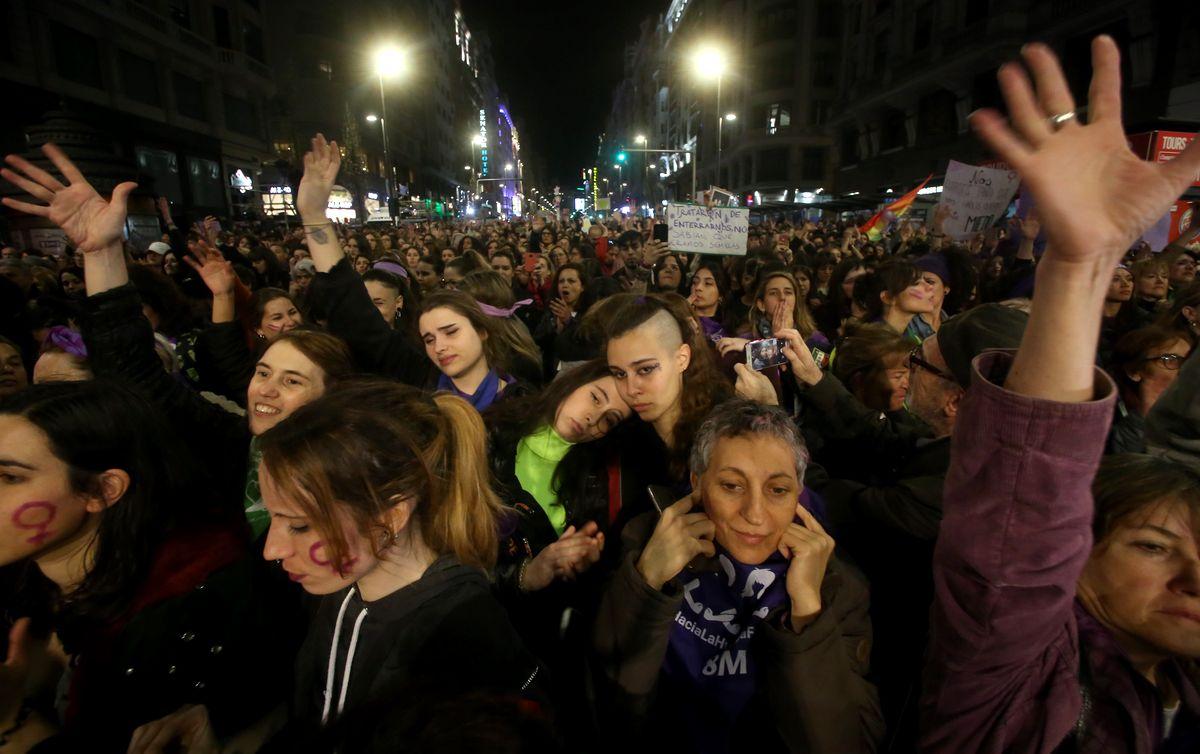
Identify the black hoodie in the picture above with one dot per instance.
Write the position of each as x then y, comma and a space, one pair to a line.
443, 636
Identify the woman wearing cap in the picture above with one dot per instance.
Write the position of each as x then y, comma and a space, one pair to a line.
729, 625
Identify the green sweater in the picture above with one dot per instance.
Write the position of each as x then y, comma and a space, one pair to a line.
538, 455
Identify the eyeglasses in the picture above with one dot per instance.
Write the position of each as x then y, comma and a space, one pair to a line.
1171, 361
915, 360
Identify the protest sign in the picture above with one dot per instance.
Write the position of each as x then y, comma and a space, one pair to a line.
975, 197
716, 230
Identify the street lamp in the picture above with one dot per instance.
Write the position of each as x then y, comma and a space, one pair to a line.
389, 62
372, 117
640, 139
731, 117
710, 63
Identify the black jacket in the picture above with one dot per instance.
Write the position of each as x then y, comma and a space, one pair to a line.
439, 638
352, 317
120, 345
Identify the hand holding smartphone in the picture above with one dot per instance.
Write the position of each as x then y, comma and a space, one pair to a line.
765, 353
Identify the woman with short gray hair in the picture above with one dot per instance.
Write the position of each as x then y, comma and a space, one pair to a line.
729, 625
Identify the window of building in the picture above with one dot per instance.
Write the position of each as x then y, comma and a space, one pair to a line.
139, 78
773, 165
241, 116
813, 162
923, 26
893, 132
819, 112
977, 10
76, 55
325, 70
777, 71
825, 69
779, 116
221, 33
189, 96
284, 149
180, 12
164, 166
204, 180
829, 18
775, 24
880, 53
849, 147
252, 41
937, 116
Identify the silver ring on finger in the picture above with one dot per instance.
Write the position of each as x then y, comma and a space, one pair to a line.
1058, 121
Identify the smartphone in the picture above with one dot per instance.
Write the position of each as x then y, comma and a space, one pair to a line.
530, 261
660, 497
660, 232
765, 353
820, 357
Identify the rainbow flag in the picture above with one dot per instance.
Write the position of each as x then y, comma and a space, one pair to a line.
880, 220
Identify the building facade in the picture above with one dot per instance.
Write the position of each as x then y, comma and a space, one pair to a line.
913, 71
770, 106
178, 88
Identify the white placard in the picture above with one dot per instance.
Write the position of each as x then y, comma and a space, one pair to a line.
720, 230
975, 198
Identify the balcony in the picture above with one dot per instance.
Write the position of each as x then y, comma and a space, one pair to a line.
192, 41
145, 15
236, 62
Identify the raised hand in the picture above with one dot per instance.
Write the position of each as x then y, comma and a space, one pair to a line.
781, 317
88, 220
321, 165
678, 538
1094, 196
573, 553
808, 547
1030, 227
561, 312
216, 272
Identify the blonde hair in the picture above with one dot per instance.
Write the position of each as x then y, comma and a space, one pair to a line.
360, 450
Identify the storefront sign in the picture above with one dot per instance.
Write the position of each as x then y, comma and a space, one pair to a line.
716, 230
1162, 146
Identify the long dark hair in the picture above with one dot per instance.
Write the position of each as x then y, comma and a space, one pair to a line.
703, 385
510, 420
95, 426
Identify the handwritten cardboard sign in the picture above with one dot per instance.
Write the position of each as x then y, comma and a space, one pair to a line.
715, 230
975, 197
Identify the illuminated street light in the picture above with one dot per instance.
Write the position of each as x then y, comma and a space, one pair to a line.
640, 139
731, 117
709, 63
508, 167
477, 140
389, 61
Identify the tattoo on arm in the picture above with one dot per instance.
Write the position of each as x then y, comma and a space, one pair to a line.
319, 235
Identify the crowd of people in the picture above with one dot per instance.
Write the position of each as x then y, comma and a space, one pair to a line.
520, 486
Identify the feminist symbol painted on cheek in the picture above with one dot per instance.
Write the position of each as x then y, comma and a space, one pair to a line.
28, 517
316, 554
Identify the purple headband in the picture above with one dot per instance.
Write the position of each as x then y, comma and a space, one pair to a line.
496, 311
66, 340
391, 267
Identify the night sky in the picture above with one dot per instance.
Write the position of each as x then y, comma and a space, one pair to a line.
558, 62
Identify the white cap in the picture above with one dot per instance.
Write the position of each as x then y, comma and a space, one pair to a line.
158, 247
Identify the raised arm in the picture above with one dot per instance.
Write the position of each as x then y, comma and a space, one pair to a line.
321, 165
1016, 531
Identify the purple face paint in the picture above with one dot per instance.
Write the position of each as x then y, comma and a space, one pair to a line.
35, 516
319, 559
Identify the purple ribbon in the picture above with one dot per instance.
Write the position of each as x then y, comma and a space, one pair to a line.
496, 311
66, 340
391, 267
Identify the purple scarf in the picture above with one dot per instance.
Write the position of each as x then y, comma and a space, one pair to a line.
484, 395
708, 651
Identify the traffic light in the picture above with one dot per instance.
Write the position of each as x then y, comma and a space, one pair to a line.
621, 156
